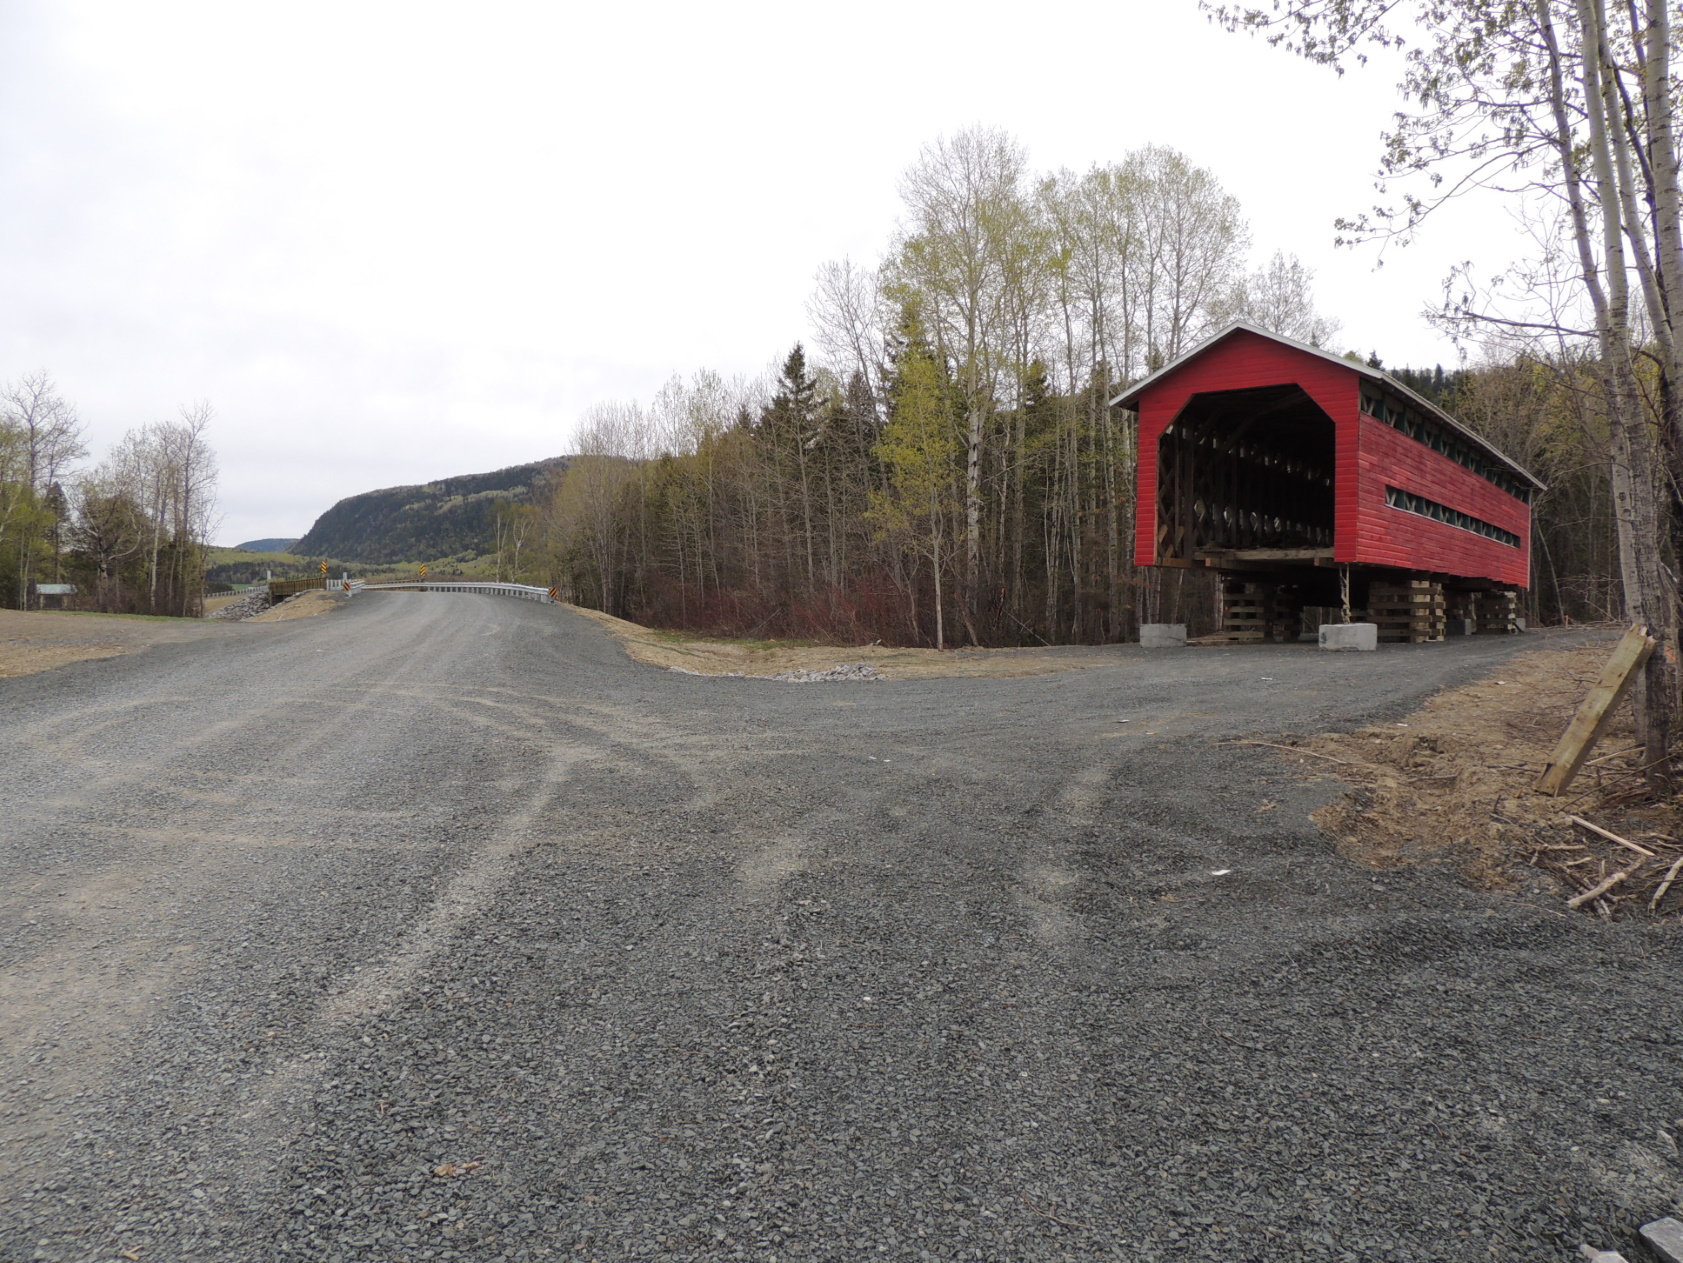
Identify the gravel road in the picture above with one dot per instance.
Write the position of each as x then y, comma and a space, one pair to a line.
438, 929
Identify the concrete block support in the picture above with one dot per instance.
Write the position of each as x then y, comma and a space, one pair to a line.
1362, 636
1162, 635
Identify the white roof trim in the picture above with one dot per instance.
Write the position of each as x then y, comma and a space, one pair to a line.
1127, 397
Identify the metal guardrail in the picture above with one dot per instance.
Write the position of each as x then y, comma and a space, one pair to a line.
521, 591
280, 589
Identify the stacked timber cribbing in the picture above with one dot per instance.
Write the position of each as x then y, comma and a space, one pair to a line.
1287, 621
1247, 609
1408, 612
1494, 613
1256, 613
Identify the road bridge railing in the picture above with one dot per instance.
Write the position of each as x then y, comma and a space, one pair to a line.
520, 591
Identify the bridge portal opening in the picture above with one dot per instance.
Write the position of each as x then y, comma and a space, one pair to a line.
1246, 475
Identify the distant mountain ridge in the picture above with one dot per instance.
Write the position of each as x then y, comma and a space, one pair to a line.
451, 517
266, 545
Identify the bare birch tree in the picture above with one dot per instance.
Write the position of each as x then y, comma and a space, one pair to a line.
169, 470
966, 210
50, 435
1278, 297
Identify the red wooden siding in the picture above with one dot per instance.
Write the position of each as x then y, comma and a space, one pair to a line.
1394, 537
1369, 456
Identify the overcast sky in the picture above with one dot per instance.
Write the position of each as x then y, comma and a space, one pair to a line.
391, 242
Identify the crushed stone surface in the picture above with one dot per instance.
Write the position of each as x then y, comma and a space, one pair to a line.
441, 930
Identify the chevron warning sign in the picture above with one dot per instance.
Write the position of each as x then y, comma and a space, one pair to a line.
555, 594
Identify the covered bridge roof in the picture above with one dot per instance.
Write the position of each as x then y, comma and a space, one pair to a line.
1130, 397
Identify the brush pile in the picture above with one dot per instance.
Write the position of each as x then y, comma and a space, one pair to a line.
1613, 874
1456, 782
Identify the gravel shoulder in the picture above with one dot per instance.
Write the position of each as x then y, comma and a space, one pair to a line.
442, 929
39, 641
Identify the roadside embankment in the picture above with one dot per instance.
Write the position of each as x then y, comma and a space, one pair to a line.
304, 605
781, 659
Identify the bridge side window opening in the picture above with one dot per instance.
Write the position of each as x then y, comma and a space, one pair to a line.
1408, 502
1441, 439
1245, 471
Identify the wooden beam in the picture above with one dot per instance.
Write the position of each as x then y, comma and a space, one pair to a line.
1219, 555
1596, 711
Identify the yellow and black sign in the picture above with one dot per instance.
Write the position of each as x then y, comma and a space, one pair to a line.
324, 570
555, 594
423, 570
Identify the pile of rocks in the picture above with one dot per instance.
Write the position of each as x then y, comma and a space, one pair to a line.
252, 603
844, 671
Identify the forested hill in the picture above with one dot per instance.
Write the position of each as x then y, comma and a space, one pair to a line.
451, 517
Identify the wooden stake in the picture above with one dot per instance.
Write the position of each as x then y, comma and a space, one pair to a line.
1596, 711
1614, 838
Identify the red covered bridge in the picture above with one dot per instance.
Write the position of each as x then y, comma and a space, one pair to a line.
1309, 479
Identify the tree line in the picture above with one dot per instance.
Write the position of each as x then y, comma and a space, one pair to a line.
130, 533
946, 468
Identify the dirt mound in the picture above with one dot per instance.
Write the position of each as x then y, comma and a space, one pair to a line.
304, 605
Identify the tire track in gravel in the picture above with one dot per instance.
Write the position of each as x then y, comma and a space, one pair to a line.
375, 988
